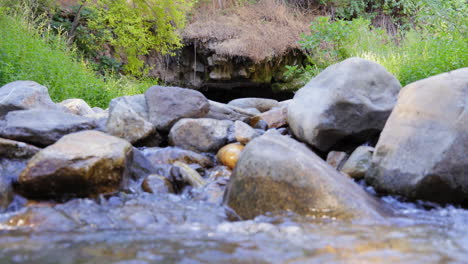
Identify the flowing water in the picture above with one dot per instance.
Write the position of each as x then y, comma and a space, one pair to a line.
150, 228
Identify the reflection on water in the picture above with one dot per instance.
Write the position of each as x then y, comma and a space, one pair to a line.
149, 228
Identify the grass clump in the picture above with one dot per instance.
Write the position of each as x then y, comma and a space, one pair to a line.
29, 50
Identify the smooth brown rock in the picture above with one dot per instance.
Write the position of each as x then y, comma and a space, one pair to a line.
82, 164
229, 154
157, 184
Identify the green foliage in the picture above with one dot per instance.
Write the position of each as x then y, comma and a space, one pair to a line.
32, 51
437, 44
135, 27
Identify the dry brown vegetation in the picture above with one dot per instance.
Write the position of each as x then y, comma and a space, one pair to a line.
258, 30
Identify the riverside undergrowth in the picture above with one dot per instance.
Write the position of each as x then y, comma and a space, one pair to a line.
30, 50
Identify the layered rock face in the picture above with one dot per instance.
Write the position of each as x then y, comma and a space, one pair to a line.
276, 173
352, 98
421, 153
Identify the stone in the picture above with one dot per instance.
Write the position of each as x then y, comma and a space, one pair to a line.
81, 164
276, 173
261, 104
77, 107
23, 95
157, 184
200, 135
189, 175
350, 99
11, 149
127, 121
274, 118
100, 119
167, 105
358, 163
42, 127
169, 155
136, 102
336, 159
226, 112
229, 154
98, 110
244, 133
421, 153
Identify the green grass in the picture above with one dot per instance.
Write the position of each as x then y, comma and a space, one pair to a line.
30, 51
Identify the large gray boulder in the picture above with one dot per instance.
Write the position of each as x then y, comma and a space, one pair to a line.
227, 112
128, 119
81, 164
276, 173
22, 95
421, 153
42, 127
350, 98
261, 104
200, 135
167, 105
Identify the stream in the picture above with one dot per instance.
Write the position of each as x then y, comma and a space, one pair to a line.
168, 228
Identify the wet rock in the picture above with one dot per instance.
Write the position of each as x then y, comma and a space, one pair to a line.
352, 98
229, 154
42, 219
359, 162
336, 159
11, 149
261, 104
189, 175
77, 107
211, 193
201, 135
157, 184
170, 155
127, 119
81, 164
276, 173
42, 127
274, 118
218, 173
226, 112
421, 153
23, 95
167, 105
243, 133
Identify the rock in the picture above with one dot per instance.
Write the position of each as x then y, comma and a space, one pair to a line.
167, 105
229, 154
254, 111
42, 127
274, 118
82, 164
77, 107
23, 95
98, 110
127, 121
243, 133
100, 119
276, 173
200, 135
352, 98
285, 103
136, 102
421, 153
189, 175
358, 163
170, 155
336, 159
261, 104
13, 158
157, 184
11, 149
226, 112
218, 172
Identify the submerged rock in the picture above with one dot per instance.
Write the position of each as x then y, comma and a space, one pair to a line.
127, 119
261, 104
359, 162
157, 184
229, 154
23, 95
189, 175
78, 107
167, 105
276, 173
42, 127
421, 153
82, 164
350, 98
201, 135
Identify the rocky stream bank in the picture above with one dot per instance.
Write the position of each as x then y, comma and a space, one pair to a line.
172, 176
